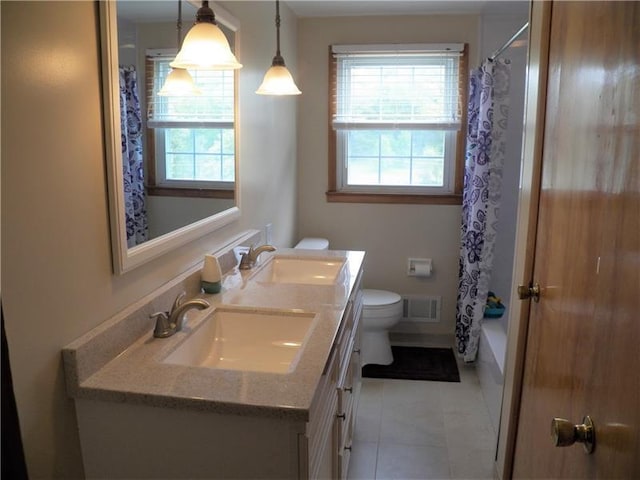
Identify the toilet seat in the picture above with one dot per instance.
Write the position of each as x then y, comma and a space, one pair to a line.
379, 298
379, 303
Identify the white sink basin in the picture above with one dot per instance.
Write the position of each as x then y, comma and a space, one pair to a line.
310, 271
247, 340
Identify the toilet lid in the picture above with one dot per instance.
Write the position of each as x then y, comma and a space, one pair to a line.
379, 298
310, 243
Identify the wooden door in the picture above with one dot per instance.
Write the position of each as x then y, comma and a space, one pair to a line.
583, 346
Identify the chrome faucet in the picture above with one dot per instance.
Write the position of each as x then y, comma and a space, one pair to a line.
168, 323
249, 259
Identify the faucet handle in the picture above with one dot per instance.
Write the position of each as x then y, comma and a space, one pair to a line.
177, 302
162, 324
245, 260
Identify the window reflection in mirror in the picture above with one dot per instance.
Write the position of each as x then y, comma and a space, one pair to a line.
179, 160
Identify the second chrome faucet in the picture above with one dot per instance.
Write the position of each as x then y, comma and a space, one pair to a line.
168, 323
250, 258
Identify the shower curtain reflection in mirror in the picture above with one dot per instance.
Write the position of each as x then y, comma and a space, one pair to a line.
132, 160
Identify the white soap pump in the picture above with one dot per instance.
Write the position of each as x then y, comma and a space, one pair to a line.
211, 276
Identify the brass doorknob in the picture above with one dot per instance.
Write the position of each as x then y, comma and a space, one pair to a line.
564, 433
531, 291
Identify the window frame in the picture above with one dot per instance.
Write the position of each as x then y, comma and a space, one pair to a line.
336, 192
157, 184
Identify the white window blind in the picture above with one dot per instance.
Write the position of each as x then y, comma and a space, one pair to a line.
214, 108
401, 87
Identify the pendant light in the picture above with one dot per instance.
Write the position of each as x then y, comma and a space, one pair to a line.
278, 80
179, 82
205, 47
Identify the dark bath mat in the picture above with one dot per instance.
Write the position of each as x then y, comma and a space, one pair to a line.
416, 363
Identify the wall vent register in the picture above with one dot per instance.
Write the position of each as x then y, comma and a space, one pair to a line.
421, 308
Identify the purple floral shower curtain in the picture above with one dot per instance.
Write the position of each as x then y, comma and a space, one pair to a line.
132, 168
486, 144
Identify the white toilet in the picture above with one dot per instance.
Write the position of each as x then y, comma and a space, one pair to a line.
310, 243
381, 311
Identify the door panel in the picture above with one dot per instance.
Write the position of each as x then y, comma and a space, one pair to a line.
583, 346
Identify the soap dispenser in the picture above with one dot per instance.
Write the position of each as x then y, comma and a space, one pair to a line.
211, 276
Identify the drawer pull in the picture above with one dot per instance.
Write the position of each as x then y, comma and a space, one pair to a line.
348, 448
343, 416
348, 389
356, 350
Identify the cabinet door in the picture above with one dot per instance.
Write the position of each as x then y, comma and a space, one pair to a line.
321, 426
348, 396
343, 430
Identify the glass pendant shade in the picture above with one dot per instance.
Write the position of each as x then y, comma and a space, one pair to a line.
179, 83
205, 47
278, 81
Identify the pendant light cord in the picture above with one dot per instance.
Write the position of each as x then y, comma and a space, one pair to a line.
179, 24
278, 61
278, 28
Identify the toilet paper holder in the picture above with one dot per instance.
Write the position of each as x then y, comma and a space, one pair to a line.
419, 267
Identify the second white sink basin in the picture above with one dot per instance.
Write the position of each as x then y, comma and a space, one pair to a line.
303, 270
246, 339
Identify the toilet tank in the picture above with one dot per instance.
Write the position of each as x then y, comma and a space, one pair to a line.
310, 243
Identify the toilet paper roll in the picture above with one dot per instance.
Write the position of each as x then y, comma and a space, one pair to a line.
422, 269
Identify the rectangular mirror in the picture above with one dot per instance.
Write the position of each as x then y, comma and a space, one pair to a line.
172, 178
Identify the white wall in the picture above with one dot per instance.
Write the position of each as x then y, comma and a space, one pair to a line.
389, 233
56, 260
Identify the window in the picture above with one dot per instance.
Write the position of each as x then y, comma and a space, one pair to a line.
191, 139
396, 115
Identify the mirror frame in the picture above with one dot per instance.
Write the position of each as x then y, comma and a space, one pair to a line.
125, 259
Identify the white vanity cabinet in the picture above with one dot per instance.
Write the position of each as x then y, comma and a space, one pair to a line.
333, 411
139, 419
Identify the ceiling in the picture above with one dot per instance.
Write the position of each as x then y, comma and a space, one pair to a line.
331, 8
144, 11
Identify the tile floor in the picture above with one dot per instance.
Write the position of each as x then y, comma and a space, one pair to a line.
423, 430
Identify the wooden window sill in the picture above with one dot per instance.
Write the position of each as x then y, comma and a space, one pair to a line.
189, 192
343, 197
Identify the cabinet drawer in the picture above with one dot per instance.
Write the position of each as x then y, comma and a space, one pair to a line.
348, 339
348, 395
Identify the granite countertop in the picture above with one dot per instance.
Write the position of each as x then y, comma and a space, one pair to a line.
136, 372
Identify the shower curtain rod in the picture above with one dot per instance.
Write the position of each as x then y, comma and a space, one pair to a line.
509, 42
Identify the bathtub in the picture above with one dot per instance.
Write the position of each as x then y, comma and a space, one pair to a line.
490, 365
